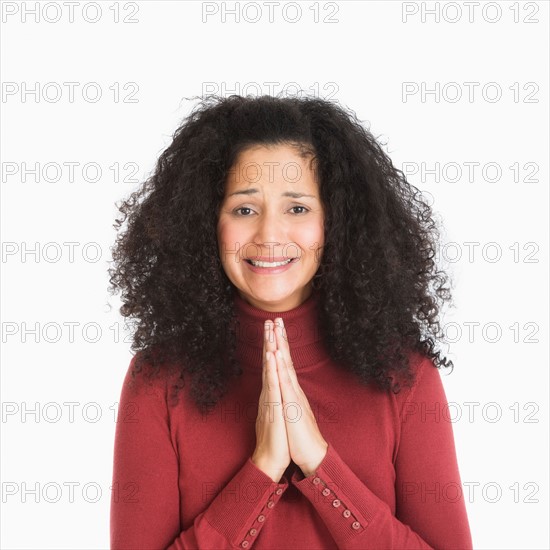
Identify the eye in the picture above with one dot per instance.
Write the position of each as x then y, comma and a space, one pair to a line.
241, 208
242, 215
306, 209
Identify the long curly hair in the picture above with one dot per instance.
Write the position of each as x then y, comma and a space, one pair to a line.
379, 289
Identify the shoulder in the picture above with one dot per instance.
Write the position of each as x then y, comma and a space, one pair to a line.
426, 383
424, 370
144, 380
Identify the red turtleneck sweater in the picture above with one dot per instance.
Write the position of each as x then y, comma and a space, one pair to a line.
389, 479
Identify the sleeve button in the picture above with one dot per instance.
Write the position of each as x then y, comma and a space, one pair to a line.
270, 504
278, 491
356, 525
336, 503
316, 480
261, 518
253, 532
326, 491
346, 513
244, 543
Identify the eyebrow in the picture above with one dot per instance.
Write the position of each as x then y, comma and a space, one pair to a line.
291, 194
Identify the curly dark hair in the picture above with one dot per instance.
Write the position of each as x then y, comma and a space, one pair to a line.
379, 289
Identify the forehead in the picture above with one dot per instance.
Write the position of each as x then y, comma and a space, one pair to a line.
275, 164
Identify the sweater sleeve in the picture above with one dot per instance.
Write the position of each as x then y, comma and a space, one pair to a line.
430, 508
145, 498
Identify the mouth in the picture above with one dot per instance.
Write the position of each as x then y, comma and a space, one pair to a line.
257, 263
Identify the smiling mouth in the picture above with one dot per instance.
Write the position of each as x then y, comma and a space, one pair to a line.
270, 264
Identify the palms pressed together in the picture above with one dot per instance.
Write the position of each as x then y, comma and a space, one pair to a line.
286, 428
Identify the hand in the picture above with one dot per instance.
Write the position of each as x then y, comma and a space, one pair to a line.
272, 454
305, 442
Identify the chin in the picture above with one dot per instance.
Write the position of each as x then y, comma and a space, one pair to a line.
276, 299
270, 297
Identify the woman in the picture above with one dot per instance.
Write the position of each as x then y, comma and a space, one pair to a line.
284, 391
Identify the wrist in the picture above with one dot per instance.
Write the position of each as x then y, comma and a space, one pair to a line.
274, 473
310, 468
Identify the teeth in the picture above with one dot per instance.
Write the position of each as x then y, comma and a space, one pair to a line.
270, 264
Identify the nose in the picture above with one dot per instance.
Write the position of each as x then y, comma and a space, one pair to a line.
269, 228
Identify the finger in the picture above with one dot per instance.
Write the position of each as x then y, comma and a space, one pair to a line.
291, 391
281, 338
264, 358
288, 391
270, 342
274, 397
269, 337
282, 344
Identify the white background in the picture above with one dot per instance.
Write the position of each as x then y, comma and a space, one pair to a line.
365, 58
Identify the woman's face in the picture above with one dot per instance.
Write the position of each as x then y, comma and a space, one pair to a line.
263, 215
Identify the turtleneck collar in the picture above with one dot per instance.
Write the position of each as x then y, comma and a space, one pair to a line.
301, 324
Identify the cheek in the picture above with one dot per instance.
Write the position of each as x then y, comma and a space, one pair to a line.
310, 237
231, 236
226, 231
